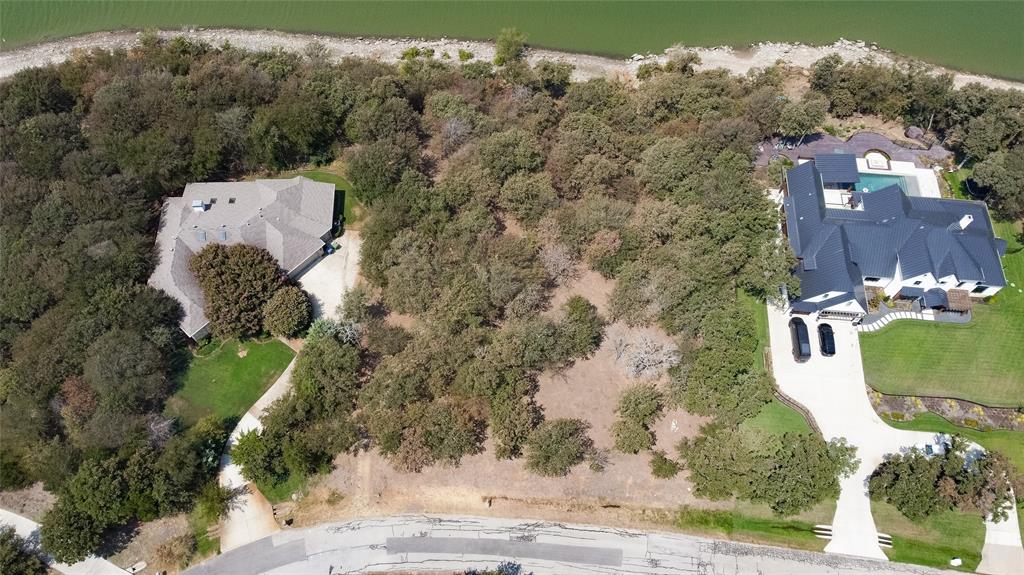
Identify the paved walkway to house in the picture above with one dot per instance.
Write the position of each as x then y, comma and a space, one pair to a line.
29, 530
875, 322
250, 516
833, 390
1003, 551
333, 275
858, 144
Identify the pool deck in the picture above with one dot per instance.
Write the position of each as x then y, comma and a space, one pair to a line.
858, 144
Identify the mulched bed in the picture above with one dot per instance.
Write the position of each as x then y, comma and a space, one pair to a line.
956, 411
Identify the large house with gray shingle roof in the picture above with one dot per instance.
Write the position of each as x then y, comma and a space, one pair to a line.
292, 219
849, 242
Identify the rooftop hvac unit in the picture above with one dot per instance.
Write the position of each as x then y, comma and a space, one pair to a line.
198, 206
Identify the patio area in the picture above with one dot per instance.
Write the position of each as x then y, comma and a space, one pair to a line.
859, 144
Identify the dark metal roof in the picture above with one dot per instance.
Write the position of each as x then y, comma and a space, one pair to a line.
837, 167
837, 247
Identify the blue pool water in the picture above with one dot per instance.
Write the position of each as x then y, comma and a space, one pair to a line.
875, 182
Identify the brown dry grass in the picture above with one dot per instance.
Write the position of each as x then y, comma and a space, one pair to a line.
32, 502
625, 494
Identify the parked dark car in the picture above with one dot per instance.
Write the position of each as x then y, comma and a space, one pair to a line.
827, 340
801, 341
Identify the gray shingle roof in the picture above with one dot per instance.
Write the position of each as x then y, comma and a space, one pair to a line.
290, 218
837, 247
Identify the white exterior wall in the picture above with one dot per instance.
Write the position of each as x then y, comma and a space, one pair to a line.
849, 306
893, 287
824, 296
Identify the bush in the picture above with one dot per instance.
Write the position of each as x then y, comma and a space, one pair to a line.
17, 556
528, 196
556, 446
641, 403
287, 312
509, 47
465, 55
631, 436
662, 467
580, 332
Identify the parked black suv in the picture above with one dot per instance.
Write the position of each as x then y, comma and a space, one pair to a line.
827, 340
801, 341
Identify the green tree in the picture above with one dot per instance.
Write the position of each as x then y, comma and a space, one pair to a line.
527, 196
509, 47
631, 436
798, 119
508, 152
237, 281
17, 556
554, 77
1002, 175
556, 446
260, 458
287, 312
803, 471
662, 467
581, 331
68, 534
375, 169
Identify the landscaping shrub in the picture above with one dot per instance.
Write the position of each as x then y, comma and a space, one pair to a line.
287, 312
662, 467
556, 446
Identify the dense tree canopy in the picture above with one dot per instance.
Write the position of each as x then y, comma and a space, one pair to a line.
238, 282
485, 187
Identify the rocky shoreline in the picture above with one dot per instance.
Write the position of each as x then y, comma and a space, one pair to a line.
390, 49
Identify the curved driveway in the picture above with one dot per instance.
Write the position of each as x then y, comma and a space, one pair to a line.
834, 391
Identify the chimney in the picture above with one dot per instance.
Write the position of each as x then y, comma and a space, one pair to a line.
966, 221
198, 206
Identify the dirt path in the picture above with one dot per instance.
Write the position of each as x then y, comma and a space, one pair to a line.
587, 66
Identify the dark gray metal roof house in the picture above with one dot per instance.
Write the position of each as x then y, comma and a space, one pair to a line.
888, 234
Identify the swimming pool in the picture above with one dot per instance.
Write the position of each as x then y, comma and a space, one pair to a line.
875, 182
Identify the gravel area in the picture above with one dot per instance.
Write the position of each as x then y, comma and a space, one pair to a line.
390, 49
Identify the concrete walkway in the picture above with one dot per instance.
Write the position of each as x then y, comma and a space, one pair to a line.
833, 390
29, 530
250, 516
417, 544
1003, 552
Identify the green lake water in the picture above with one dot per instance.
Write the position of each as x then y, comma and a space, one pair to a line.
978, 36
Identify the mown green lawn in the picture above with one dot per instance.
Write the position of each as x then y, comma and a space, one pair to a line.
958, 182
775, 417
223, 383
740, 526
980, 361
934, 540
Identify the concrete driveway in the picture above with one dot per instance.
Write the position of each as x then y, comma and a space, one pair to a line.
332, 276
833, 390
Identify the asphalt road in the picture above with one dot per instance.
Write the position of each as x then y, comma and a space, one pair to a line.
421, 543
